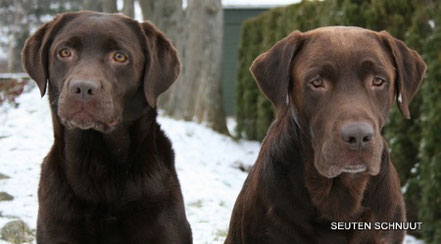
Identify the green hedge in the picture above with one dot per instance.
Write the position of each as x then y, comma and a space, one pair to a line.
430, 144
415, 144
254, 112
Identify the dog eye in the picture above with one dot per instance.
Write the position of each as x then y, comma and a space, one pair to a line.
65, 53
317, 82
378, 81
120, 57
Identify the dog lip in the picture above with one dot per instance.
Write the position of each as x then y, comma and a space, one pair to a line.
73, 121
353, 169
113, 123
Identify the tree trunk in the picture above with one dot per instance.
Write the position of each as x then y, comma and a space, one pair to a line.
169, 17
203, 98
92, 5
197, 94
147, 7
19, 33
129, 8
109, 6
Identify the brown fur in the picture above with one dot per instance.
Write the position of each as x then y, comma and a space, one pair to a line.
110, 175
301, 181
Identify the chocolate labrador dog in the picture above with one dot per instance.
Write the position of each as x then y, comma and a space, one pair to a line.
324, 159
110, 175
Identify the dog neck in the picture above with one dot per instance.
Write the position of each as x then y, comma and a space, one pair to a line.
117, 145
113, 147
92, 158
336, 199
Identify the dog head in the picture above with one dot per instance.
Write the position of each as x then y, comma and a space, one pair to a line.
338, 84
100, 67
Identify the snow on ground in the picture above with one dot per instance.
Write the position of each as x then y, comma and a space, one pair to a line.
204, 162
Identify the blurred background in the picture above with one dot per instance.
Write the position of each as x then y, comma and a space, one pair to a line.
217, 96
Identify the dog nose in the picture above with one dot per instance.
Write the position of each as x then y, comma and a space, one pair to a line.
83, 90
357, 135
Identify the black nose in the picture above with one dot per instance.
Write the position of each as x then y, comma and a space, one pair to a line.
357, 135
83, 90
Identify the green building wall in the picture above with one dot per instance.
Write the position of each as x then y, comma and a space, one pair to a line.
233, 19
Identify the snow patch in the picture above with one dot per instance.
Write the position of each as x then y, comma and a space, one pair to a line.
204, 161
431, 23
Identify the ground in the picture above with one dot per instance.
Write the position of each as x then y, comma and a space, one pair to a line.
205, 161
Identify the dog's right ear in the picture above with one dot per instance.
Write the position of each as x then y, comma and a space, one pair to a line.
36, 50
162, 66
272, 69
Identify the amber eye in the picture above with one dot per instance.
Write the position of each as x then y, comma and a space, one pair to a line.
120, 57
65, 53
378, 81
317, 82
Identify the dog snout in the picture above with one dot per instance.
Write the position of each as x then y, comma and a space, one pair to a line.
357, 135
83, 90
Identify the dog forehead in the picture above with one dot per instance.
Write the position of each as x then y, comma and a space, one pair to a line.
342, 35
344, 47
99, 26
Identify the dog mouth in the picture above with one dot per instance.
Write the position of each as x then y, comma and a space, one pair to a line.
354, 169
332, 159
85, 121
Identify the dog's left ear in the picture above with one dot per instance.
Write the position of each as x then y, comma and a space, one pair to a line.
410, 69
162, 63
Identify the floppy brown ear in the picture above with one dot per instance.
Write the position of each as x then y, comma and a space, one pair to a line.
272, 69
410, 69
36, 50
34, 57
162, 63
